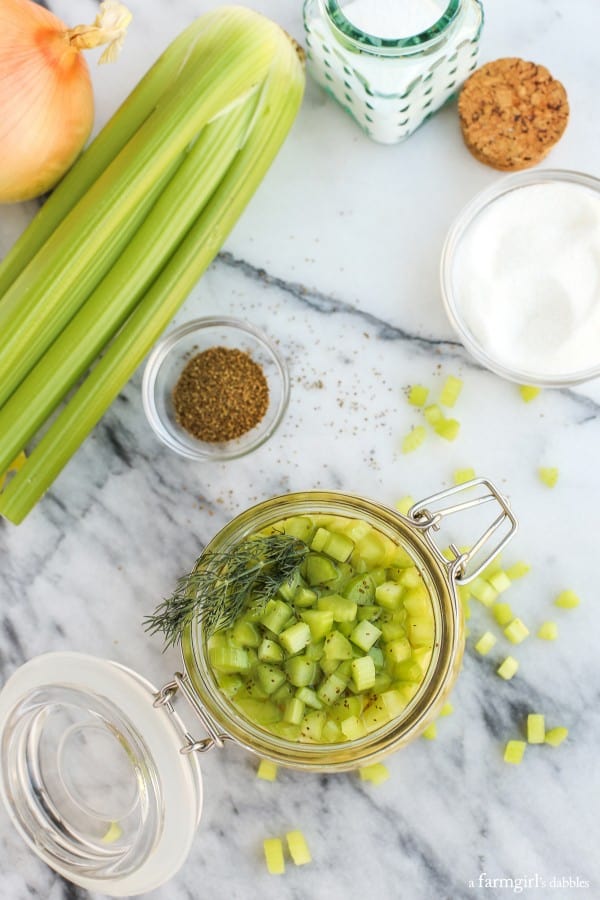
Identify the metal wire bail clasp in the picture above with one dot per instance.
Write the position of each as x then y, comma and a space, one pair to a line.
164, 696
428, 514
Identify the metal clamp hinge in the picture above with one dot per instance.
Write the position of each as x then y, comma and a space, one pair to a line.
164, 697
427, 519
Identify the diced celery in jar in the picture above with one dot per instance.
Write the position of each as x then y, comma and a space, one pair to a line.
342, 648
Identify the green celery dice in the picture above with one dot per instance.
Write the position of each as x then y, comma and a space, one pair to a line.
320, 622
305, 598
421, 631
332, 689
320, 539
301, 671
416, 601
311, 728
363, 673
275, 616
339, 546
337, 646
343, 609
294, 711
397, 651
360, 589
389, 595
353, 728
319, 569
365, 634
269, 651
371, 549
261, 711
300, 527
375, 715
229, 659
269, 677
246, 634
376, 654
296, 638
309, 697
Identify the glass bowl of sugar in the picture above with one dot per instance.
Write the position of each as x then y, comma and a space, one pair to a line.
520, 277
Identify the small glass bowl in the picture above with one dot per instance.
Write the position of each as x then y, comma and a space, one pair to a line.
166, 362
452, 304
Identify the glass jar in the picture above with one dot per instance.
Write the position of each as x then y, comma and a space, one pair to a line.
390, 83
100, 775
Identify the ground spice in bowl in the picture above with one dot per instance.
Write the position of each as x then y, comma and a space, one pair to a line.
221, 394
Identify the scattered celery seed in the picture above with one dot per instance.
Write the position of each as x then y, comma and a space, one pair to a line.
430, 732
502, 612
417, 395
461, 476
485, 643
376, 773
536, 728
451, 390
548, 475
298, 848
516, 631
556, 736
567, 600
266, 770
548, 631
508, 668
273, 849
514, 751
528, 392
414, 439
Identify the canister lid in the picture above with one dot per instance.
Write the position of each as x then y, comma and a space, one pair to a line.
92, 775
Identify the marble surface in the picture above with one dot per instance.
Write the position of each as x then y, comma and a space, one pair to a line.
337, 258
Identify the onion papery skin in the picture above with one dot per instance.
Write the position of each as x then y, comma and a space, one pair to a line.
46, 100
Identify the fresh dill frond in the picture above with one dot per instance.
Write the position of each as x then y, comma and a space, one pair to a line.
221, 582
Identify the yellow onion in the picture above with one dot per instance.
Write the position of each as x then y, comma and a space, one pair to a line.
46, 98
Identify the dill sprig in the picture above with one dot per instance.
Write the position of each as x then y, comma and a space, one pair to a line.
218, 587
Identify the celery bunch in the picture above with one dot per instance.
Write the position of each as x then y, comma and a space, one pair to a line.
118, 246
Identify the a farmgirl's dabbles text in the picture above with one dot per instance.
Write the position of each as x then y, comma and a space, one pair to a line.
344, 646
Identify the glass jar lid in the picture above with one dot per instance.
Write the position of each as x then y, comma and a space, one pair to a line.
92, 775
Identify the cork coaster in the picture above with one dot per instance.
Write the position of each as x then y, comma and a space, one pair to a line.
512, 112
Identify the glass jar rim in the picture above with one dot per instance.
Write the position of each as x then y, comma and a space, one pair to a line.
432, 691
371, 43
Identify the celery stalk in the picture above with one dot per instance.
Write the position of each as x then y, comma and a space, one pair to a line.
88, 241
123, 286
279, 105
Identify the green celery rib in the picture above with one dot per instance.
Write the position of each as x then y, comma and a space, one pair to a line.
79, 253
117, 294
280, 103
132, 113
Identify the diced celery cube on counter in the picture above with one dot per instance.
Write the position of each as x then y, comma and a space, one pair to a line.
267, 771
555, 736
461, 476
483, 591
567, 600
518, 570
414, 439
448, 429
430, 732
298, 848
433, 414
548, 631
417, 395
508, 668
447, 709
516, 631
536, 728
528, 392
500, 581
502, 613
273, 849
514, 751
451, 390
548, 475
485, 643
376, 773
404, 504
